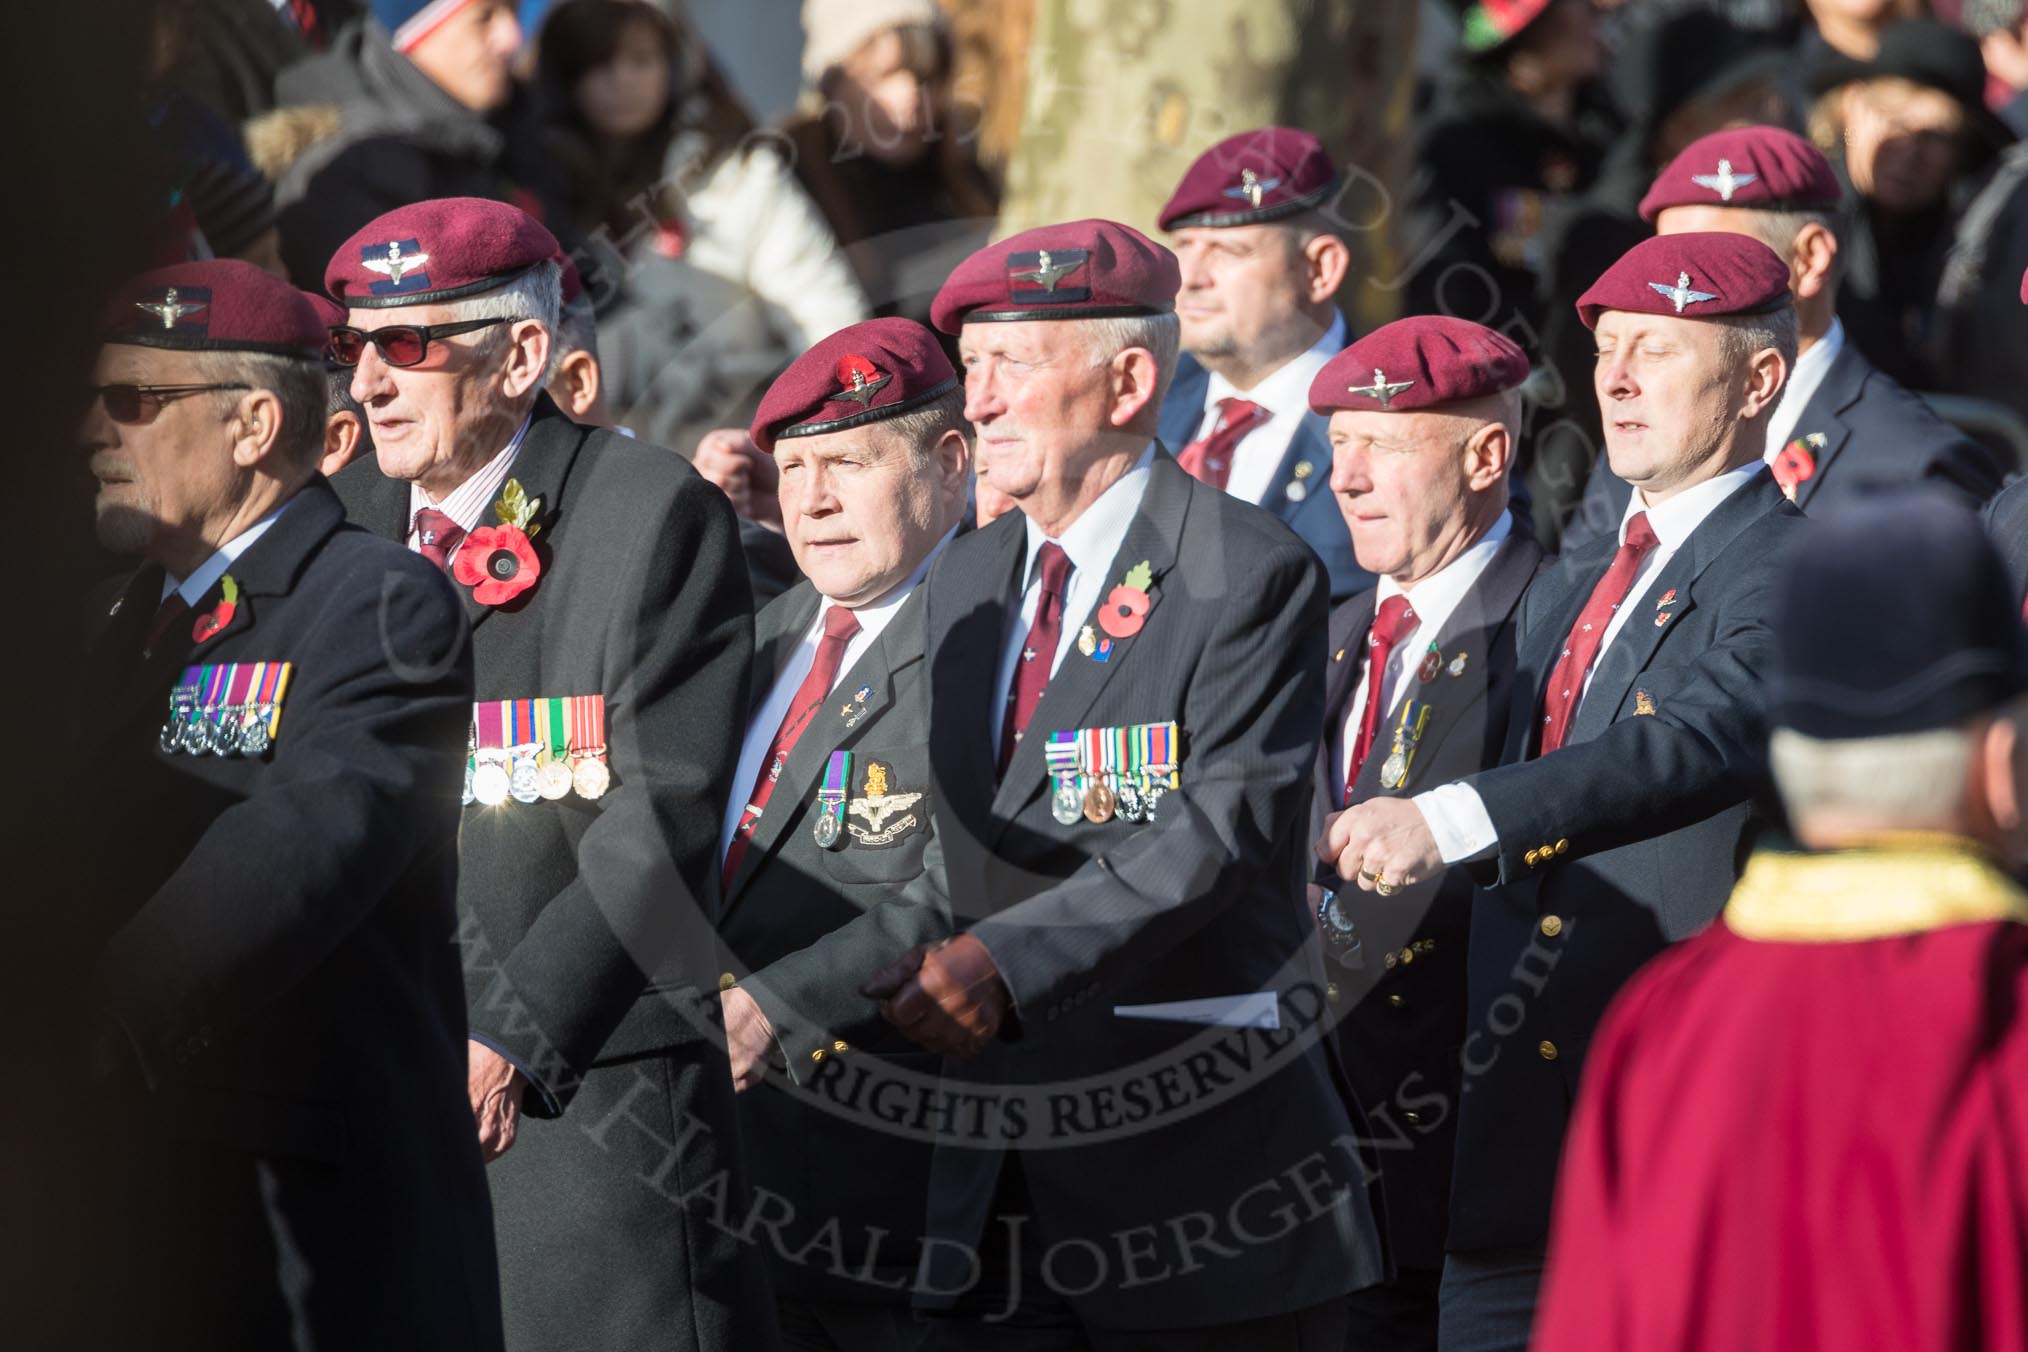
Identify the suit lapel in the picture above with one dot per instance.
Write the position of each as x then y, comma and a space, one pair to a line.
840, 721
1079, 680
778, 633
1341, 678
1307, 461
968, 621
542, 467
1634, 646
1841, 388
1468, 634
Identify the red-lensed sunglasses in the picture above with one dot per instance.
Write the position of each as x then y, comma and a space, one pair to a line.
139, 404
399, 344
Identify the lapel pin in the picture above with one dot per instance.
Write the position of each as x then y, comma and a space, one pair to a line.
1087, 642
1432, 662
1457, 666
1668, 599
1644, 703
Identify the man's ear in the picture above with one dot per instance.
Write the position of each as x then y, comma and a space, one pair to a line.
1812, 259
577, 384
1489, 453
344, 436
1135, 376
1326, 260
258, 428
527, 357
1766, 373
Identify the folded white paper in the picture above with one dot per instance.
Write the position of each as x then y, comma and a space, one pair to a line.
1258, 1010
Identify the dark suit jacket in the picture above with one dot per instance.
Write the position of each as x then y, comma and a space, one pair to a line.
1875, 433
803, 926
2007, 526
587, 925
1402, 1023
1120, 1122
1299, 493
276, 951
1626, 839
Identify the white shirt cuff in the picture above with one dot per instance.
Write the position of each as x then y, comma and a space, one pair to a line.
1456, 817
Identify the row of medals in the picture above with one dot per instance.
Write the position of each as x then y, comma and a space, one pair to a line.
525, 775
229, 730
1104, 798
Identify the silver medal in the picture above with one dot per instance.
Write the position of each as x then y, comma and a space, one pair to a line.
1133, 802
490, 784
1066, 804
525, 783
254, 738
1394, 770
825, 829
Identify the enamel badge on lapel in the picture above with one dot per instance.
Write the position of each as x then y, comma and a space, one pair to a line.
1126, 606
1087, 642
1432, 662
878, 807
856, 710
1662, 611
1644, 703
1457, 666
1297, 489
1797, 463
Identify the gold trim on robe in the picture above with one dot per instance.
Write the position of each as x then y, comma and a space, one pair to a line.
1904, 884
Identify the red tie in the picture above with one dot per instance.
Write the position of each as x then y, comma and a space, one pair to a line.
840, 625
1210, 457
437, 536
1561, 696
307, 23
1038, 651
173, 608
1395, 622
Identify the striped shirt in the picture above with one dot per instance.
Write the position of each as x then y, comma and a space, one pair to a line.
466, 503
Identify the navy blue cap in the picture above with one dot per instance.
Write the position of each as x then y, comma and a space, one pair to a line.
1894, 615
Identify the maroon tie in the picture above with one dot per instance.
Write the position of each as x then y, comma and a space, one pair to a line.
1565, 690
1210, 457
304, 13
1038, 651
1395, 622
840, 625
437, 536
173, 608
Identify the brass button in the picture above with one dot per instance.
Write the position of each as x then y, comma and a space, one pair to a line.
1396, 1001
1530, 857
726, 981
1552, 925
1392, 958
840, 1047
1547, 1048
1563, 847
817, 1055
1408, 955
1331, 991
1411, 1114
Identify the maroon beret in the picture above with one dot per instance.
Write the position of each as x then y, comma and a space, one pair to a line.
1253, 177
436, 251
329, 312
1418, 362
219, 305
1703, 275
1082, 270
1770, 168
861, 374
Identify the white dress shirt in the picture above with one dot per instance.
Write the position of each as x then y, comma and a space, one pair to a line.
874, 617
193, 588
1091, 542
1286, 397
1802, 386
466, 503
1456, 814
1434, 600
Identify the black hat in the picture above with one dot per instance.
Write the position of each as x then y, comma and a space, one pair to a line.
1894, 615
1668, 61
1925, 52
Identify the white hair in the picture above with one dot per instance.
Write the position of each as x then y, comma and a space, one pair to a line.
1160, 335
1908, 781
1740, 336
536, 294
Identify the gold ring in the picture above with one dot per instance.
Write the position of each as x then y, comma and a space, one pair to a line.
1383, 887
1369, 877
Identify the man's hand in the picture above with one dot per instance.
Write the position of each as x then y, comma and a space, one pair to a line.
1382, 844
495, 1089
747, 474
749, 1037
952, 1002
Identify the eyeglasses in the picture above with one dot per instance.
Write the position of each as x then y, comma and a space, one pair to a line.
399, 344
137, 404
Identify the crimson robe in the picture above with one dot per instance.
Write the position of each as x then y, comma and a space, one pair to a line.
1807, 1128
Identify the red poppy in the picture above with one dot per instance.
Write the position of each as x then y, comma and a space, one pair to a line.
497, 563
211, 621
1125, 610
1793, 465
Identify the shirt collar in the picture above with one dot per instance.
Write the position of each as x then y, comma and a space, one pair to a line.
1287, 390
466, 503
1094, 538
200, 581
1674, 520
1803, 383
1437, 595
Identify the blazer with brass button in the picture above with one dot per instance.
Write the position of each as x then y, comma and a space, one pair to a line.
1624, 840
1120, 1122
273, 933
586, 924
1401, 1007
804, 925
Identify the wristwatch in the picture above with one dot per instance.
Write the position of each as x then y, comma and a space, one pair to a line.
1341, 936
